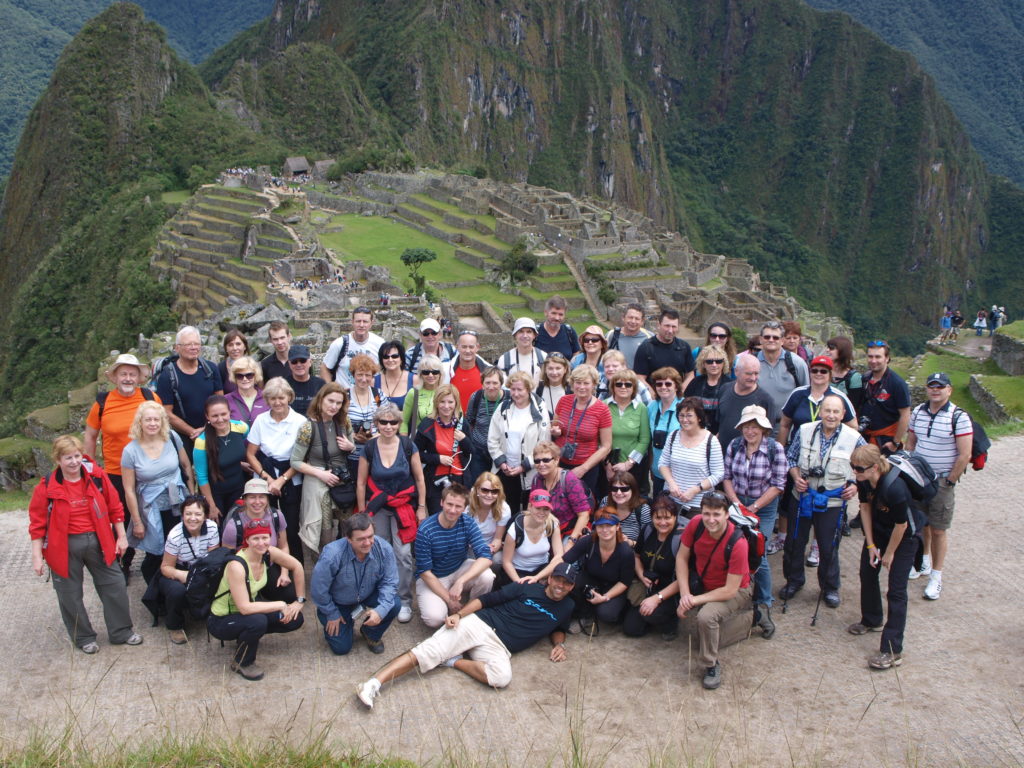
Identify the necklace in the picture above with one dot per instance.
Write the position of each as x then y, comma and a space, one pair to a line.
389, 388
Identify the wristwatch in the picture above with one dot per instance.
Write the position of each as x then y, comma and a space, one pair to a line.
300, 599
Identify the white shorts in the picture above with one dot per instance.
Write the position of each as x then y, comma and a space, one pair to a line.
474, 638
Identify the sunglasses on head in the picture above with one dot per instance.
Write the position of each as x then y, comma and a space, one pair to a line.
877, 343
362, 311
717, 495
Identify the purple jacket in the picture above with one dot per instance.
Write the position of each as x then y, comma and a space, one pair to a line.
240, 412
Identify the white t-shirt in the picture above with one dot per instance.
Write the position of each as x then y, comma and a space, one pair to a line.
276, 438
490, 525
368, 347
518, 420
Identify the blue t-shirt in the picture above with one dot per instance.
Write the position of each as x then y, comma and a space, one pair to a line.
442, 551
565, 341
193, 389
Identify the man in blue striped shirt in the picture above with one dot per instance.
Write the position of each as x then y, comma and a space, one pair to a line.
443, 572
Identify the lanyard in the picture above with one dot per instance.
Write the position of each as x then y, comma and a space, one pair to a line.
572, 437
814, 407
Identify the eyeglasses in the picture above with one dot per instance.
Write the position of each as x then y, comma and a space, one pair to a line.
709, 361
392, 356
718, 335
820, 370
855, 468
547, 460
621, 489
488, 491
388, 422
623, 385
249, 375
428, 332
299, 361
877, 343
424, 372
664, 383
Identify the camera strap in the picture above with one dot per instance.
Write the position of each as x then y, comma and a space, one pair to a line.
574, 433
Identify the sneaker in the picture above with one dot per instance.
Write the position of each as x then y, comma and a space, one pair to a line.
764, 621
404, 617
861, 629
368, 691
91, 648
251, 672
375, 646
926, 569
713, 677
178, 636
934, 589
451, 662
135, 639
775, 544
846, 529
885, 660
832, 599
856, 523
813, 558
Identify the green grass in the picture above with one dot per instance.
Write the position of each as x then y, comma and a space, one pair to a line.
482, 218
14, 500
1016, 330
176, 196
487, 292
1009, 390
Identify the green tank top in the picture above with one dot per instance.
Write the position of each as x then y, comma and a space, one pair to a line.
224, 604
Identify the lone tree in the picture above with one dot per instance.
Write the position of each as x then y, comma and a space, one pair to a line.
414, 258
519, 262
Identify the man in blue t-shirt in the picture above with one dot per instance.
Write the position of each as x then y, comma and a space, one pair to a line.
443, 572
555, 335
487, 632
185, 384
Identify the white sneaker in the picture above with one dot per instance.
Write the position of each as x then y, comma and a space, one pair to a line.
926, 569
368, 691
934, 589
813, 558
451, 662
405, 615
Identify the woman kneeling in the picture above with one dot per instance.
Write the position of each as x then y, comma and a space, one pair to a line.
236, 614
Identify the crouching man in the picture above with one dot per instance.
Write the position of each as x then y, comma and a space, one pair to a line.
480, 638
714, 582
356, 573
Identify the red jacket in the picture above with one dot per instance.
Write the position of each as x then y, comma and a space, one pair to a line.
51, 490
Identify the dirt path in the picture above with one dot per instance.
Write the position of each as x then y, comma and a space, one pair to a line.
804, 698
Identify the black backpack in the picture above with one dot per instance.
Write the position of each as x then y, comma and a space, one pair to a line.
519, 529
101, 399
917, 473
204, 576
980, 442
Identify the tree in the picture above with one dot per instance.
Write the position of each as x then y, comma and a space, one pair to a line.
414, 258
519, 262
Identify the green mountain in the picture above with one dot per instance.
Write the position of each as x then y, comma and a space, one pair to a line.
122, 120
33, 33
761, 128
974, 51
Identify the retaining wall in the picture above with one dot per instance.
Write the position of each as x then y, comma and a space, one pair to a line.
1008, 354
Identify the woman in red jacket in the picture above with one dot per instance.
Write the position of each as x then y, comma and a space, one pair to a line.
76, 521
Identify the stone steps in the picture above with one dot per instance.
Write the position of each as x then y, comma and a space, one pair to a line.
212, 224
218, 212
232, 203
227, 248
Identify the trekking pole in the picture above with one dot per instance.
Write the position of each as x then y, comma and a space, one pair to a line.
835, 554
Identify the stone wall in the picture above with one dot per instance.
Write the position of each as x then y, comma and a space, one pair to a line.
995, 410
1008, 354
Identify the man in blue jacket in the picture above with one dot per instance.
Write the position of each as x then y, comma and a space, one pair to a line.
356, 574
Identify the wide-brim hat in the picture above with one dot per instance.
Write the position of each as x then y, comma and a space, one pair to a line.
128, 360
754, 413
524, 322
256, 485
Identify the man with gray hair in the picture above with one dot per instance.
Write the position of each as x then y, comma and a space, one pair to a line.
356, 575
185, 382
742, 393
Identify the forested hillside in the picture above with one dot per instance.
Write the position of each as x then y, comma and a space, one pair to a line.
33, 33
975, 52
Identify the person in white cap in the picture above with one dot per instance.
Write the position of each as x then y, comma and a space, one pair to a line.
429, 344
523, 356
111, 417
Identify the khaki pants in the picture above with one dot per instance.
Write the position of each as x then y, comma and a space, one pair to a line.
721, 624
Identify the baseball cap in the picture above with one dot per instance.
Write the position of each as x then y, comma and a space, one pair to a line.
430, 324
939, 379
298, 352
540, 498
566, 571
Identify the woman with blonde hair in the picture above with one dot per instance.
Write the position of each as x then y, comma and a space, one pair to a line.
892, 539
419, 402
151, 466
713, 367
444, 449
490, 511
246, 402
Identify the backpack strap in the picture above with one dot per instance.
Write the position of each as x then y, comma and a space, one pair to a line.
101, 401
341, 356
414, 358
519, 530
613, 342
787, 356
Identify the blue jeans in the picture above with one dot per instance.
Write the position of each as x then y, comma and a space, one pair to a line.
341, 643
763, 577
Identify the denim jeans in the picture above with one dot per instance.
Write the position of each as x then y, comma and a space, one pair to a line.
341, 643
763, 577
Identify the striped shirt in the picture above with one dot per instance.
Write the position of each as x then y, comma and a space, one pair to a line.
187, 549
936, 434
442, 551
692, 466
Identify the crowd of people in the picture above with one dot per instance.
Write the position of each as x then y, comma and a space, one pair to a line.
577, 481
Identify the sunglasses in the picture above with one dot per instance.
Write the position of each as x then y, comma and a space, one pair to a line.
249, 375
592, 340
714, 362
766, 337
660, 384
392, 356
362, 311
556, 356
388, 422
855, 468
717, 495
428, 332
488, 491
621, 489
299, 361
877, 343
548, 460
424, 372
624, 385
820, 370
831, 346
718, 335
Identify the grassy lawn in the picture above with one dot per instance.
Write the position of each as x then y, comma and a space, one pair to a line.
14, 500
379, 240
482, 218
176, 196
1009, 390
1016, 330
487, 292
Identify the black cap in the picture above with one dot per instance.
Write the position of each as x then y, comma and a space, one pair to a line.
940, 379
298, 352
566, 571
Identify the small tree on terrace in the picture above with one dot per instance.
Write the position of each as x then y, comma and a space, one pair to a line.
519, 262
414, 258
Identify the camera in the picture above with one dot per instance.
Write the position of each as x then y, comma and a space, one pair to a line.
442, 482
816, 472
864, 423
569, 451
342, 473
658, 438
589, 593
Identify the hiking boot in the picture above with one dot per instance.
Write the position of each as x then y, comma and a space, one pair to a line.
713, 676
178, 636
789, 590
832, 599
856, 523
934, 588
882, 660
764, 621
813, 557
251, 672
861, 629
91, 648
368, 691
775, 544
846, 529
375, 646
670, 631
